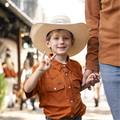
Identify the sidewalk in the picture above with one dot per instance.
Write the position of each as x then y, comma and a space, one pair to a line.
93, 113
97, 113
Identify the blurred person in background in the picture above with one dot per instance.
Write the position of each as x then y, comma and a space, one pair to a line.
28, 65
96, 90
9, 74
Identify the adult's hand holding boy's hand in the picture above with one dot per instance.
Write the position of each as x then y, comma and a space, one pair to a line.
93, 82
93, 77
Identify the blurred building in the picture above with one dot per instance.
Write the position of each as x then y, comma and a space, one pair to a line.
16, 20
32, 8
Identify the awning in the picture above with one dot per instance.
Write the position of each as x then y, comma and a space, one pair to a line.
19, 13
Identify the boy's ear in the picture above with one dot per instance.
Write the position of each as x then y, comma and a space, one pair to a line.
73, 41
47, 43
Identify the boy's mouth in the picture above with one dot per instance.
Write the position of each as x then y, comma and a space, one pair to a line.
61, 47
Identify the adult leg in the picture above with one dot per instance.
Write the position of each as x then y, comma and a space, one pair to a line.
21, 104
96, 93
96, 97
111, 82
33, 102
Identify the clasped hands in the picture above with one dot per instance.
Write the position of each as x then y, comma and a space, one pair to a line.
91, 77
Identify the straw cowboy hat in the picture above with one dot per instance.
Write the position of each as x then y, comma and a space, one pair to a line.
79, 30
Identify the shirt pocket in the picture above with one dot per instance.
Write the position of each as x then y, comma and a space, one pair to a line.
55, 92
76, 89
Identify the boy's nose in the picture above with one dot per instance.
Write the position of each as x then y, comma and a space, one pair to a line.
61, 40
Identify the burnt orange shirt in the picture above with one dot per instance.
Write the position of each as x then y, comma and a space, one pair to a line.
8, 72
59, 90
103, 20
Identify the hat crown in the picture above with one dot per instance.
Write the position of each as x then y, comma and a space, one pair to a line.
60, 19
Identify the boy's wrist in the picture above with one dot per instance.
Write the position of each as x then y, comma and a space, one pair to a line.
40, 71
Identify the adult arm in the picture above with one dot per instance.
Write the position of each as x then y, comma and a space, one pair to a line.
92, 14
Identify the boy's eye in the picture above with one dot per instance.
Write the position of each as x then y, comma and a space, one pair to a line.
66, 38
56, 38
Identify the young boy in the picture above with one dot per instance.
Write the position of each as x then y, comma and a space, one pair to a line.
57, 79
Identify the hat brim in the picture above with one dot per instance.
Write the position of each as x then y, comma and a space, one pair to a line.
79, 30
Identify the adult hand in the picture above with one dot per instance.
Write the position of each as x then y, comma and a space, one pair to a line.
95, 77
45, 63
85, 75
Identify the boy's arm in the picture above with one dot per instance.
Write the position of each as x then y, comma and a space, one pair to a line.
91, 77
32, 81
45, 65
84, 87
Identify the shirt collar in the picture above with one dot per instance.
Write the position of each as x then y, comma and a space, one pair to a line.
59, 65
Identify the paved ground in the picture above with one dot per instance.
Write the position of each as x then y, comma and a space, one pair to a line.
97, 113
93, 113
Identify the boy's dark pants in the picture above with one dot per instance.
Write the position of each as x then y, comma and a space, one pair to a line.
77, 118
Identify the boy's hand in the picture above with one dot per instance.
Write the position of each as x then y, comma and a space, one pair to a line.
45, 63
92, 77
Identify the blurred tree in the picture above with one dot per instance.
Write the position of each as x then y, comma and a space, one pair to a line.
3, 91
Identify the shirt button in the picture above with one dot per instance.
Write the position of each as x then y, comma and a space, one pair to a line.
54, 88
65, 73
71, 101
69, 87
63, 65
71, 115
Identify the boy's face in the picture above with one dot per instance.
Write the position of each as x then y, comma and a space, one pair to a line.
60, 42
